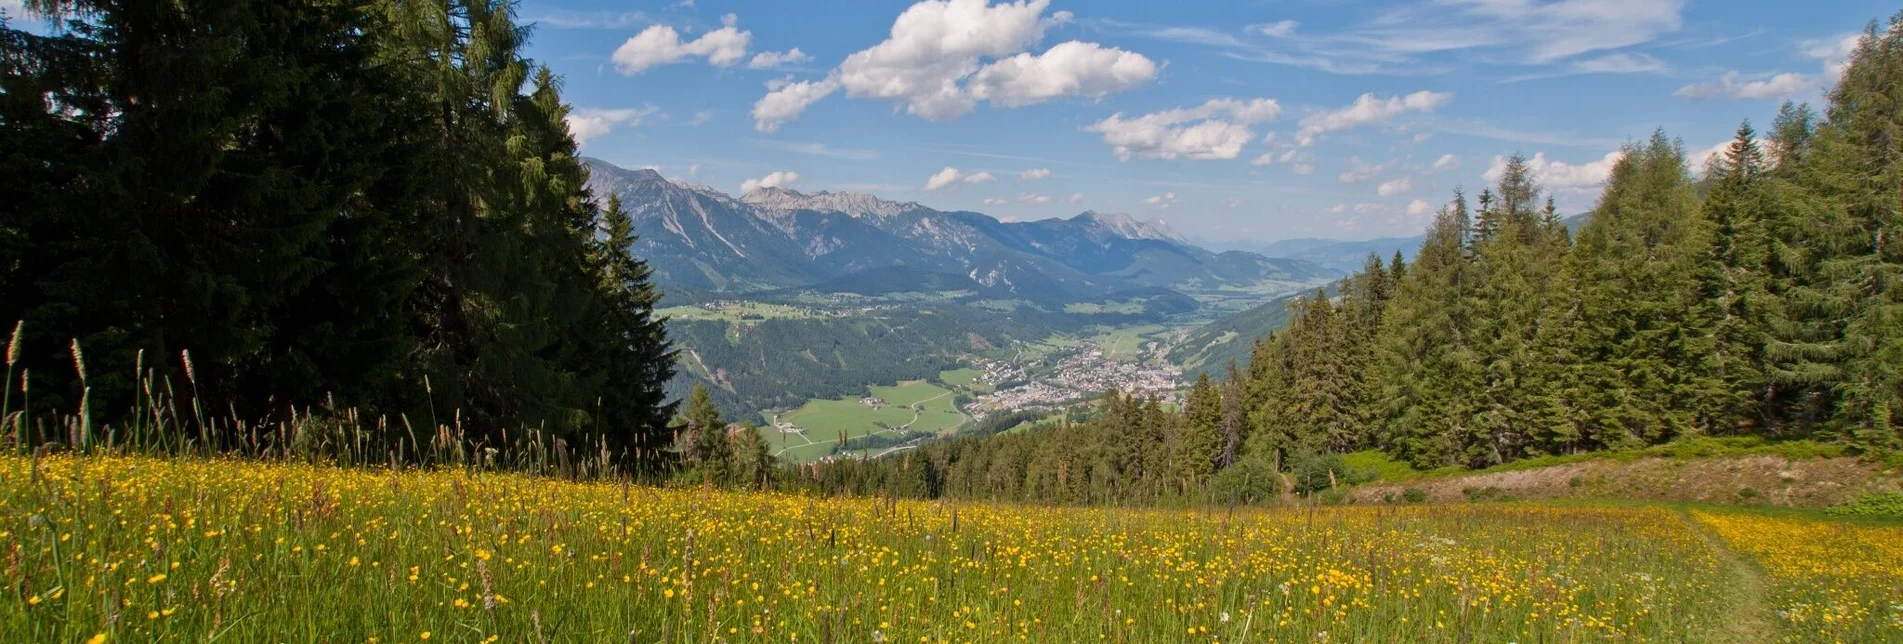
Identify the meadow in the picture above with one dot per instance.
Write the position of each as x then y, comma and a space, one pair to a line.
113, 548
913, 406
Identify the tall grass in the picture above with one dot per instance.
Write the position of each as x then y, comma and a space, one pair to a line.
164, 421
142, 549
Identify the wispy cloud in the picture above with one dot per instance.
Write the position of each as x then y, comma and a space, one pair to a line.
820, 149
1408, 38
571, 19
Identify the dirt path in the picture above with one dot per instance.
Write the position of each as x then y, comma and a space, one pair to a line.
1746, 591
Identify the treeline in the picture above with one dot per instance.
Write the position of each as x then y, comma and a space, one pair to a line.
262, 210
1765, 298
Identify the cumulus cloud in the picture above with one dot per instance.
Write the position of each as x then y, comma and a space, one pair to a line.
786, 99
1035, 174
1032, 197
591, 122
662, 45
1446, 162
1559, 175
1217, 129
1162, 201
993, 201
934, 61
951, 175
772, 59
1366, 110
783, 179
1068, 69
1733, 86
1394, 187
701, 118
1076, 197
1419, 207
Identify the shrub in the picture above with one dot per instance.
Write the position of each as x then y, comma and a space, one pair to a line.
1871, 504
1250, 480
1489, 493
1333, 496
1414, 495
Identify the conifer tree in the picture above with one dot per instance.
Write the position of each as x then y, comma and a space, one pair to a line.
1421, 365
1643, 345
1848, 307
1199, 437
1737, 283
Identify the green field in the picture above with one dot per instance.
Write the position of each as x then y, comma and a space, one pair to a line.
1126, 343
913, 406
740, 312
959, 377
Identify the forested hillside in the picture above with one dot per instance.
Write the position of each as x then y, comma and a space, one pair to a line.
1772, 306
242, 213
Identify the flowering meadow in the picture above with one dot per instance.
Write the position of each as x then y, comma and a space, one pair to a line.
1835, 581
109, 548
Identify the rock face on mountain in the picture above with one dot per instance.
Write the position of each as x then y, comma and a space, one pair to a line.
774, 238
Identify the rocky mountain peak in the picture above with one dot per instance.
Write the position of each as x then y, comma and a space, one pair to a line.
856, 204
1123, 225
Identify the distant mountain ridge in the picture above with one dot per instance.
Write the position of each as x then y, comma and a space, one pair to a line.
776, 238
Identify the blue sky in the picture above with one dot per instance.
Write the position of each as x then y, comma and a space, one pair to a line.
1232, 121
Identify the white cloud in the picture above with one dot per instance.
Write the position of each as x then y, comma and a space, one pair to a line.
1035, 174
1732, 85
661, 45
1834, 51
784, 179
1302, 167
951, 175
1068, 69
773, 59
1420, 36
1419, 207
993, 201
589, 122
701, 118
1338, 208
558, 19
1076, 197
1280, 29
1366, 110
1232, 203
1621, 63
1359, 171
1422, 137
1559, 175
933, 61
1162, 201
786, 99
1446, 162
823, 150
1217, 129
1394, 187
1032, 197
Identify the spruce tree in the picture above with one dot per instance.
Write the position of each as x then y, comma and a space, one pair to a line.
1199, 437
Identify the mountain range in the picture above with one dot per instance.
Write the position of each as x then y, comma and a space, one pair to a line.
698, 238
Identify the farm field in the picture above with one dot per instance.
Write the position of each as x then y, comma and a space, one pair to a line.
138, 549
917, 406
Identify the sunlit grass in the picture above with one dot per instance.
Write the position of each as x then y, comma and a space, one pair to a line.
140, 548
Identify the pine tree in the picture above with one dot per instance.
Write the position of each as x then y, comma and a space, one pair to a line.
1737, 284
1421, 363
1199, 436
704, 441
1850, 306
1643, 347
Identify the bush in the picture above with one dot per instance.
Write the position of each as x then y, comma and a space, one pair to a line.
1872, 504
1489, 493
1414, 495
1250, 480
1333, 496
1315, 471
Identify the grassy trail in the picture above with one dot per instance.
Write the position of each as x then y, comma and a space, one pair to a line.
1746, 590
